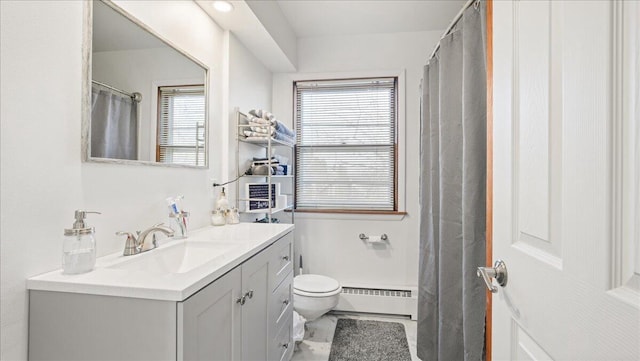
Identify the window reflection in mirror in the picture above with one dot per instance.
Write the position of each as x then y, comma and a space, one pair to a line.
181, 125
148, 100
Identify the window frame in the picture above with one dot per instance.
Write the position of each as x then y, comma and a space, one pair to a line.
397, 146
159, 116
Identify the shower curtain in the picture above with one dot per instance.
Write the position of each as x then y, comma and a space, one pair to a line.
114, 125
451, 299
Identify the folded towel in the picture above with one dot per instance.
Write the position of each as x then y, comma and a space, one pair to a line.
264, 159
256, 112
259, 121
263, 124
283, 129
284, 138
259, 113
248, 133
251, 138
264, 130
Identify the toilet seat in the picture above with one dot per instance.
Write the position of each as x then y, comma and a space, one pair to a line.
315, 286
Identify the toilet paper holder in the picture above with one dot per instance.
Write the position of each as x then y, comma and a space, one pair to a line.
365, 238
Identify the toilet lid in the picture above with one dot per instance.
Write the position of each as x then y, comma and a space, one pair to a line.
315, 283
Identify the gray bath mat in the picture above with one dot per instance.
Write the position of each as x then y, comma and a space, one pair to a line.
359, 340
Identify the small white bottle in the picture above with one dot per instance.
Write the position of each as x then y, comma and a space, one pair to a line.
79, 246
218, 217
232, 216
222, 202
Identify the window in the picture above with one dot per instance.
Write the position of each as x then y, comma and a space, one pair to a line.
181, 125
346, 144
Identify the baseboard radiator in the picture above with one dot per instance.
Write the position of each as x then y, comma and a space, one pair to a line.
394, 301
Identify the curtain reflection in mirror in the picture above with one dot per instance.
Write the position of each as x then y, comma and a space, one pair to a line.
114, 124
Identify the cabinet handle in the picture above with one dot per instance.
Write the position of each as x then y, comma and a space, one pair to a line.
285, 302
241, 300
249, 294
285, 345
286, 258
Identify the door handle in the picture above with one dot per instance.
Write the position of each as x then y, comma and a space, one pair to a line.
242, 300
498, 271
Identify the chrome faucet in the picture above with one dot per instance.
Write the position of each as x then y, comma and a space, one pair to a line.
139, 242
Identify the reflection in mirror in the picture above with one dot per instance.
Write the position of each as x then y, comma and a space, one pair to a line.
148, 100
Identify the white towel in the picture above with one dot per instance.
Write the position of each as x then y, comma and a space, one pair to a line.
250, 134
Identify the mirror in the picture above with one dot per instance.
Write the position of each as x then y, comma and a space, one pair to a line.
146, 101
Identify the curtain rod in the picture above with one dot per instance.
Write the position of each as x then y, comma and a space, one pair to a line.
453, 23
137, 97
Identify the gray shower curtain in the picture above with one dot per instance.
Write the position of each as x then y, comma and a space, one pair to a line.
114, 125
451, 299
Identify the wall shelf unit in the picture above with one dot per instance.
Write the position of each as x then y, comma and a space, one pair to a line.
266, 148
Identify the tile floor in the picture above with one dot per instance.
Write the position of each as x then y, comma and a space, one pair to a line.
319, 334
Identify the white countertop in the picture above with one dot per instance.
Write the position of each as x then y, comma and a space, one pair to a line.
107, 279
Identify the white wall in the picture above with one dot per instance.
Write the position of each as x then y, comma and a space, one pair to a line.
250, 89
330, 243
42, 177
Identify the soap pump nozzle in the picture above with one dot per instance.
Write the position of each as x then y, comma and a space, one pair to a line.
79, 226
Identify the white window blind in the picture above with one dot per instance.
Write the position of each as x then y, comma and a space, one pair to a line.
181, 125
346, 144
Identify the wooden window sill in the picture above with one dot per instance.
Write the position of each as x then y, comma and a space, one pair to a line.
350, 211
349, 215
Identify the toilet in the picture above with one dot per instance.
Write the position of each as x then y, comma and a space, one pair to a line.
315, 295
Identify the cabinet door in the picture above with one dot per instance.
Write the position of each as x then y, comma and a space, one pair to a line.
209, 321
281, 345
281, 261
255, 285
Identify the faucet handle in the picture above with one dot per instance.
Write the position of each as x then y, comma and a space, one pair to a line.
130, 247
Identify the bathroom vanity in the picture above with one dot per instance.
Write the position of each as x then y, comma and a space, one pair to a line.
224, 293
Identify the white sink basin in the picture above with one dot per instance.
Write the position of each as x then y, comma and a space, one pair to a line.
176, 258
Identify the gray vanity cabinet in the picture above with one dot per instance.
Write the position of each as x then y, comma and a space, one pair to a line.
244, 315
227, 320
209, 321
81, 327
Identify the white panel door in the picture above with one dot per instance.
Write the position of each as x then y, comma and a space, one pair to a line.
556, 191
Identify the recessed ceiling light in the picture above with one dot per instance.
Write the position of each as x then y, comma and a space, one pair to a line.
223, 6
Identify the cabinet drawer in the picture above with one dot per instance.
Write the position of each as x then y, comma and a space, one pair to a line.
281, 346
281, 305
281, 261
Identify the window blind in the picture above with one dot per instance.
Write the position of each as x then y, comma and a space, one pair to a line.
181, 125
346, 144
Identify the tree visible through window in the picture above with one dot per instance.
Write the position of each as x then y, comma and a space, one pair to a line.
181, 125
346, 144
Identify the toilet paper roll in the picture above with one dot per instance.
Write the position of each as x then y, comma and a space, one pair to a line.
375, 239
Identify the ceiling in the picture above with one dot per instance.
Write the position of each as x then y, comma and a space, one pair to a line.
270, 29
310, 18
113, 32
